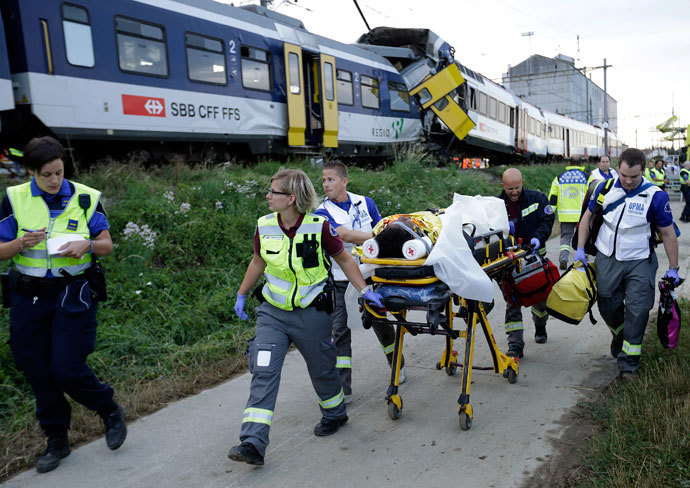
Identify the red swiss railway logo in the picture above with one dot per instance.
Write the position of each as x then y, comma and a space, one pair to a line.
149, 106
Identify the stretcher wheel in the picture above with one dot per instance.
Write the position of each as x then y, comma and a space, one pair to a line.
438, 366
464, 420
451, 369
393, 411
512, 376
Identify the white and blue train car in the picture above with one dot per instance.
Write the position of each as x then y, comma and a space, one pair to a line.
533, 128
198, 70
492, 108
6, 95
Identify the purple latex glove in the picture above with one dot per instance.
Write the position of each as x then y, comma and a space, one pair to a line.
580, 256
672, 273
239, 306
535, 244
511, 226
373, 297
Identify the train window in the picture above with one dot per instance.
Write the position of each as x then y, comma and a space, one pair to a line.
344, 87
473, 98
482, 103
205, 59
328, 76
441, 104
400, 98
256, 72
512, 117
76, 28
141, 47
501, 112
293, 69
492, 108
370, 92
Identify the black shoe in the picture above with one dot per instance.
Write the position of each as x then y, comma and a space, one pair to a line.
564, 264
329, 426
115, 427
58, 448
616, 346
626, 376
246, 453
515, 352
540, 335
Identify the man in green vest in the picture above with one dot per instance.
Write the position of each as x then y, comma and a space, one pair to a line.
684, 177
50, 227
568, 190
658, 174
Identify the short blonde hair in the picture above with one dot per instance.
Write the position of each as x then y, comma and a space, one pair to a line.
296, 182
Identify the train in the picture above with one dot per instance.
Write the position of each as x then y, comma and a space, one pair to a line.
250, 81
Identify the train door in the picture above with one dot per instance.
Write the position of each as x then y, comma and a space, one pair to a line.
521, 130
566, 141
311, 95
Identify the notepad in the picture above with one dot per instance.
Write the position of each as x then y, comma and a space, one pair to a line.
55, 243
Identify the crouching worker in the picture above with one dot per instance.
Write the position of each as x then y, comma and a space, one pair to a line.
53, 298
625, 262
291, 249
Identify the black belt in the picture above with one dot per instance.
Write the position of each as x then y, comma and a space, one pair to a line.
33, 285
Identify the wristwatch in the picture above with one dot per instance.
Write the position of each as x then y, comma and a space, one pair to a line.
674, 268
364, 290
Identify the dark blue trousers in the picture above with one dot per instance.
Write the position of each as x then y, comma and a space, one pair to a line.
51, 335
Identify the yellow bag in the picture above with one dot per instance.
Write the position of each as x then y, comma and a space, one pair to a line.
574, 294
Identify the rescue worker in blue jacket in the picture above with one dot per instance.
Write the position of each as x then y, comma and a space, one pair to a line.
52, 297
291, 249
625, 262
531, 219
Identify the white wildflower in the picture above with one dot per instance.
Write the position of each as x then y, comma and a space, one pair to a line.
149, 284
184, 208
169, 195
219, 204
147, 234
138, 292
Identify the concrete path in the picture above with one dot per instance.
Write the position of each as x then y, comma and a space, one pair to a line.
514, 428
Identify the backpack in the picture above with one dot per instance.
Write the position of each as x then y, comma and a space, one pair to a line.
668, 319
574, 295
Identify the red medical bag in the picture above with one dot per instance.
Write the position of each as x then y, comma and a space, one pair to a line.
531, 282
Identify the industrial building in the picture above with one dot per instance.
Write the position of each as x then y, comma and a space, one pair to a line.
555, 84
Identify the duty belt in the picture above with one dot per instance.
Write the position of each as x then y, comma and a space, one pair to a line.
32, 285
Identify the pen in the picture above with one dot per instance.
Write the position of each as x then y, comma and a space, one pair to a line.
29, 230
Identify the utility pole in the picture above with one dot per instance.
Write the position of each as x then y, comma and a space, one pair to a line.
606, 114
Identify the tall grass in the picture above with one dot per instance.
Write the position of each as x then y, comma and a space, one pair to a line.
168, 328
645, 424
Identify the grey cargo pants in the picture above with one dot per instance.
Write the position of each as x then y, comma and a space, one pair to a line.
626, 295
276, 329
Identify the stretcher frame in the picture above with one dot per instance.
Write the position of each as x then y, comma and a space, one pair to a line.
473, 312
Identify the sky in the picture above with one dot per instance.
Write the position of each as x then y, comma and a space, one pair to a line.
647, 43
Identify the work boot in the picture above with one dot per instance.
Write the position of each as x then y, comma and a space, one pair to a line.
115, 427
626, 376
347, 399
540, 335
514, 351
616, 345
58, 448
246, 453
564, 264
329, 426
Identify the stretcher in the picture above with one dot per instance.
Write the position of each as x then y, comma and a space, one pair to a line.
409, 285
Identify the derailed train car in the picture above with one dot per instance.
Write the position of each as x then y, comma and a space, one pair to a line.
247, 80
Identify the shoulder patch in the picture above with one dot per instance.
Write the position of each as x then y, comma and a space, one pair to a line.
667, 207
333, 231
548, 210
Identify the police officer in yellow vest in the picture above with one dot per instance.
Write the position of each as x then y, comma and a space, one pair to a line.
657, 174
291, 249
52, 295
567, 194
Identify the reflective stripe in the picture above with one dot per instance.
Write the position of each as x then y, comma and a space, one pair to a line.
569, 212
388, 349
538, 313
333, 401
616, 331
566, 247
258, 415
511, 326
343, 362
275, 281
632, 349
310, 228
282, 299
41, 272
311, 292
34, 253
530, 209
270, 230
